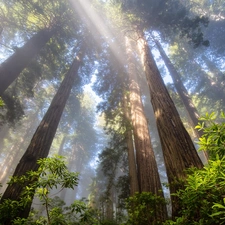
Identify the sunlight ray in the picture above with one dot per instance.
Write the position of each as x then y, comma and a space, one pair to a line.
96, 24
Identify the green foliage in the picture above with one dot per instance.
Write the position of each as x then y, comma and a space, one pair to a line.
142, 208
1, 102
221, 210
203, 189
52, 172
202, 199
77, 213
213, 139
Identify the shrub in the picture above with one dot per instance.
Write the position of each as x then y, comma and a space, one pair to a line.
142, 208
202, 198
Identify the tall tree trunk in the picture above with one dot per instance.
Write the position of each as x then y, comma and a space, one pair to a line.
13, 154
178, 149
60, 152
133, 180
215, 90
42, 139
148, 176
109, 205
218, 75
218, 79
4, 132
14, 65
71, 167
185, 97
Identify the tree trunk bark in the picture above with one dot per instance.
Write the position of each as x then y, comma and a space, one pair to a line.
133, 180
148, 176
185, 97
109, 205
178, 149
42, 139
14, 65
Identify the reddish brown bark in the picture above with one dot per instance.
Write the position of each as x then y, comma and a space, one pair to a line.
184, 96
42, 139
148, 176
178, 149
14, 65
133, 180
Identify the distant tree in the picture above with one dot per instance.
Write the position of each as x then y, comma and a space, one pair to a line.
111, 85
205, 88
14, 152
218, 75
210, 87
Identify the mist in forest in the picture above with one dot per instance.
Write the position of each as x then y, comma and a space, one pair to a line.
122, 105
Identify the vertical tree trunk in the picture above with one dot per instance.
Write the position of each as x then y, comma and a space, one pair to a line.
133, 180
185, 97
218, 80
7, 166
14, 65
148, 176
15, 152
4, 132
42, 139
60, 152
219, 76
109, 205
215, 90
71, 166
134, 186
178, 149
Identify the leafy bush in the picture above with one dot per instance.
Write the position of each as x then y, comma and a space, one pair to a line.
213, 139
52, 172
202, 199
142, 208
1, 102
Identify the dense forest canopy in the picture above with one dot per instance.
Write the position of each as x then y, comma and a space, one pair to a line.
111, 112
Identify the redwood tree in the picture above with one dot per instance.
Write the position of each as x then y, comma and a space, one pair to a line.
41, 142
178, 149
148, 175
184, 95
14, 65
133, 179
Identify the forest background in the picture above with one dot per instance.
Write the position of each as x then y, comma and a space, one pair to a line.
117, 89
